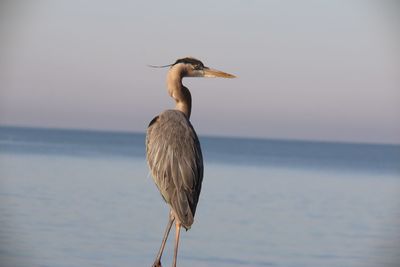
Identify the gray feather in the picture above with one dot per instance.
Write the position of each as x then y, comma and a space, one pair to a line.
176, 162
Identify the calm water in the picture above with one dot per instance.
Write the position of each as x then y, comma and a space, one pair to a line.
75, 198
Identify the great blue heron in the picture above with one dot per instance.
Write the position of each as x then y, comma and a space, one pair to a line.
173, 150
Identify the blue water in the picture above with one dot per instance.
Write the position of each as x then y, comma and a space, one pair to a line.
85, 198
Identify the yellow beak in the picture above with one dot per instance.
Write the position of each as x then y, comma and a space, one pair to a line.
212, 73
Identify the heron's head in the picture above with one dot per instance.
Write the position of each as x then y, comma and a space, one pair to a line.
195, 68
192, 67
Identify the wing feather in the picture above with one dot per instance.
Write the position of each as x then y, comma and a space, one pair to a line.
176, 162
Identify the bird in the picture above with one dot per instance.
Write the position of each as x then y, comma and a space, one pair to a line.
173, 150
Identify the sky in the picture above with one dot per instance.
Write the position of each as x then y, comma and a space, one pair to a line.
309, 70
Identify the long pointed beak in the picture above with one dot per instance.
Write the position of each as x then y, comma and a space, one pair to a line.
212, 73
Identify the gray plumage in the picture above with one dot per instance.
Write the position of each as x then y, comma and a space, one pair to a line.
176, 163
173, 150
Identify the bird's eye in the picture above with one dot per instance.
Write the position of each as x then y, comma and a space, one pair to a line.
197, 67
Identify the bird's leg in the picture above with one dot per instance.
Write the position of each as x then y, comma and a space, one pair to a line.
178, 230
157, 262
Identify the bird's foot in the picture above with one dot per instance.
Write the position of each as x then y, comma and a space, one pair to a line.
157, 263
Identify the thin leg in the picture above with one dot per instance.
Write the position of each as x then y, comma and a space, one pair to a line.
178, 230
157, 262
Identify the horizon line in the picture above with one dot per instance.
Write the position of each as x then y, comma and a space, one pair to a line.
111, 131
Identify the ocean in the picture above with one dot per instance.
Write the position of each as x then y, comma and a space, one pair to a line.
86, 198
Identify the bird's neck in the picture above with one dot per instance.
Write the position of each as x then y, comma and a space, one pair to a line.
178, 92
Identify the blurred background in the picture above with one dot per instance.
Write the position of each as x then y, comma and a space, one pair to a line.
301, 151
314, 70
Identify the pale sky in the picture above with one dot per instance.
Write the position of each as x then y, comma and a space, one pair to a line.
314, 70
